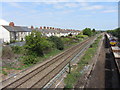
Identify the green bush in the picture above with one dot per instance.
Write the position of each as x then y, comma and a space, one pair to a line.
81, 36
17, 49
13, 41
7, 52
6, 43
4, 72
57, 41
30, 59
36, 43
87, 31
66, 40
68, 86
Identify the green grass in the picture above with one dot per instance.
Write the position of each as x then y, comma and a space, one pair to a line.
3, 72
72, 78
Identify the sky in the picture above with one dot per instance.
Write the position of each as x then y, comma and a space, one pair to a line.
68, 15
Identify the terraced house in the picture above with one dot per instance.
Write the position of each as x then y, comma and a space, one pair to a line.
11, 32
51, 31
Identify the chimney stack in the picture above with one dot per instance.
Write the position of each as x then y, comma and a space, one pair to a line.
47, 27
32, 27
44, 27
40, 27
11, 24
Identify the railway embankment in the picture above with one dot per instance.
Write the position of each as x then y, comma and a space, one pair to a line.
42, 74
79, 74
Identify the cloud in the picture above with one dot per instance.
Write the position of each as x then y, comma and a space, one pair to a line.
84, 4
58, 6
81, 5
66, 11
61, 0
65, 5
14, 4
109, 11
94, 7
71, 5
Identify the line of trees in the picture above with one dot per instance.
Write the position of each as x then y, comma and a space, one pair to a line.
89, 31
115, 32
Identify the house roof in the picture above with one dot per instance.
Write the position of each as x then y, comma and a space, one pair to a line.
55, 31
17, 28
47, 30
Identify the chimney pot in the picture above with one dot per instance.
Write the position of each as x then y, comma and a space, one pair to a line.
44, 27
40, 27
11, 24
32, 27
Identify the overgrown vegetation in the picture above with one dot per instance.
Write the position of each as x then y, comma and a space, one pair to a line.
7, 52
57, 41
72, 78
89, 32
17, 49
37, 44
81, 36
39, 47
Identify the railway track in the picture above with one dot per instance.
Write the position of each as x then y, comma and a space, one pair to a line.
44, 73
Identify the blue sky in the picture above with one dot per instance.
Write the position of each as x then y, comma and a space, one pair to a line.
73, 15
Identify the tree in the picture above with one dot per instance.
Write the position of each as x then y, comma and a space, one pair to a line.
115, 32
57, 41
36, 43
70, 35
87, 31
93, 30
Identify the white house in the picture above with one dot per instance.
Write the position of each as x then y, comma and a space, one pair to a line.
2, 22
10, 32
50, 31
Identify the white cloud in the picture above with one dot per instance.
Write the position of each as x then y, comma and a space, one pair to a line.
84, 4
66, 5
3, 22
94, 7
109, 11
71, 5
61, 0
58, 6
14, 4
66, 11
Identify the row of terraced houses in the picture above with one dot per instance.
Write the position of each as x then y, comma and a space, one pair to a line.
11, 32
